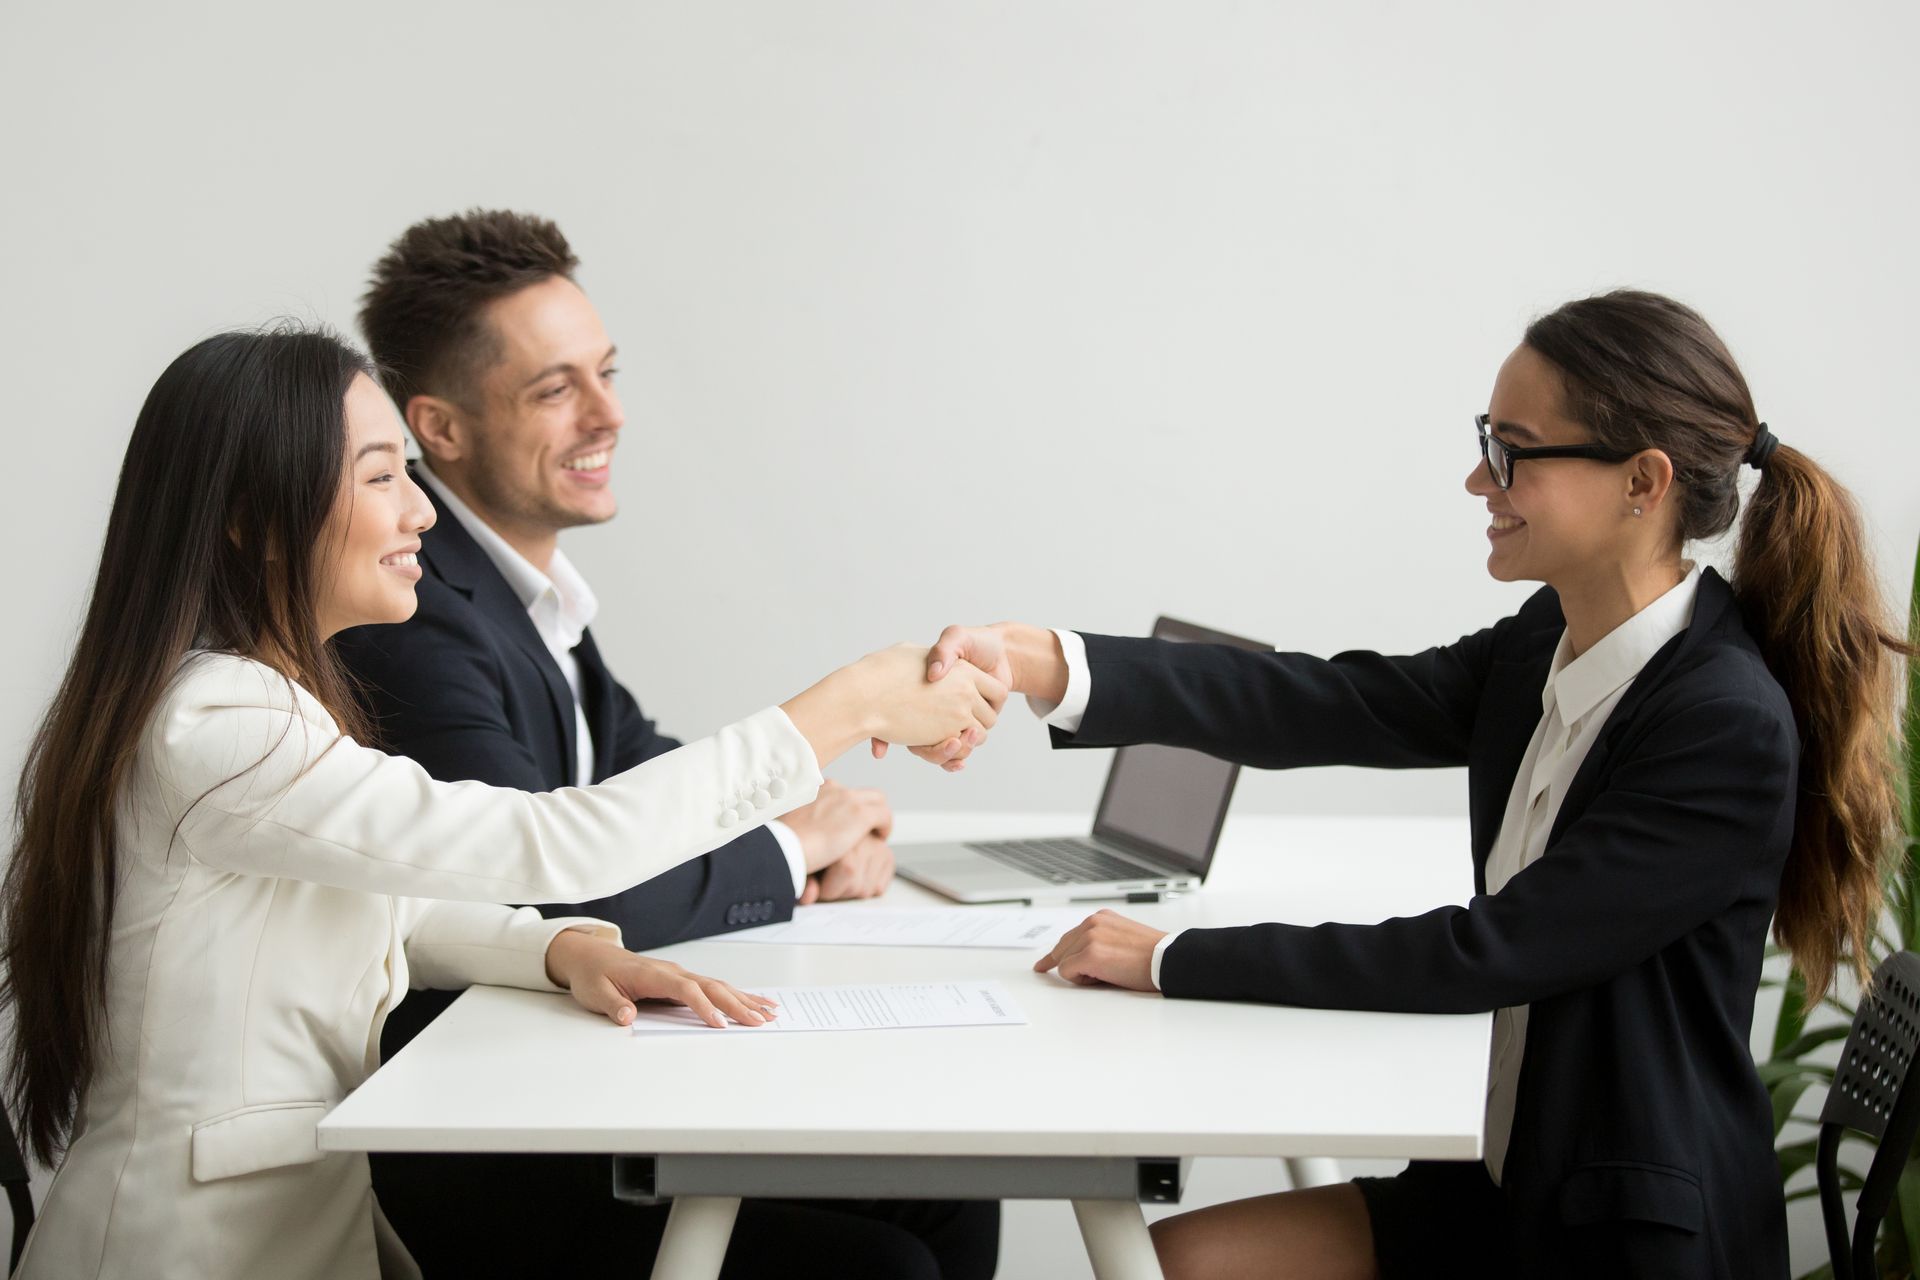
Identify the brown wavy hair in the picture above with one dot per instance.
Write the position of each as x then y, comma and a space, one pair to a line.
213, 542
1641, 371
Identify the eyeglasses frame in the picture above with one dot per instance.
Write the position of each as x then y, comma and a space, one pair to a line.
1514, 453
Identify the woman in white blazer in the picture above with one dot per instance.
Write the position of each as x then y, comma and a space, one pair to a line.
217, 893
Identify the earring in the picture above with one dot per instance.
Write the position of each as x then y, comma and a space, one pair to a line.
1636, 511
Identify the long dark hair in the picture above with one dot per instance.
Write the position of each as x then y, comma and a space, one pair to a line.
231, 475
1643, 372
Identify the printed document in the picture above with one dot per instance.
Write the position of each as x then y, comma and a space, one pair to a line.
853, 1008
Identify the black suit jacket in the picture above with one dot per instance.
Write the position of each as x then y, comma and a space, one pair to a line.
468, 689
1642, 1137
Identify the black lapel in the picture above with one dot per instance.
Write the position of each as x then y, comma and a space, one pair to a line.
1509, 713
596, 688
1710, 604
451, 554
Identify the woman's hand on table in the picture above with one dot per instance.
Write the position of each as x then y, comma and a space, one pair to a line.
1105, 948
607, 978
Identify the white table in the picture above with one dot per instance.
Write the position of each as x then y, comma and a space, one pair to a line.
1098, 1100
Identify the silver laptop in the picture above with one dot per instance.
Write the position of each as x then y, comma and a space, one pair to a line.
1153, 835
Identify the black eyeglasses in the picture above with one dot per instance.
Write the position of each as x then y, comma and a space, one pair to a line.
1501, 456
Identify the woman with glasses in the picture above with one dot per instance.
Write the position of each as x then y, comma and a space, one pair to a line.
1662, 763
218, 892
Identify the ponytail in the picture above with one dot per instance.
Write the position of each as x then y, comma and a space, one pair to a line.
1805, 582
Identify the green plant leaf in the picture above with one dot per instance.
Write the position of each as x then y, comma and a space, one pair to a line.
1909, 919
1786, 1096
1775, 1070
1899, 897
1799, 1155
1787, 1083
1811, 1040
1849, 1181
1911, 721
1906, 1206
1793, 1013
1795, 1156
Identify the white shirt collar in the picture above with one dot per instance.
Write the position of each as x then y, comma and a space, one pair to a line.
561, 593
1580, 684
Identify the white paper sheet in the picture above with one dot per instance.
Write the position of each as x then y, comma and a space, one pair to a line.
855, 1008
855, 924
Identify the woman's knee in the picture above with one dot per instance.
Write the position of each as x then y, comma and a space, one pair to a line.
1181, 1244
1322, 1233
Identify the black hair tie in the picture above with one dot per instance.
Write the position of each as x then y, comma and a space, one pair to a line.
1764, 443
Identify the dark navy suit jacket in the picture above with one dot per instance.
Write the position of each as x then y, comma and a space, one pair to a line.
1642, 1141
468, 689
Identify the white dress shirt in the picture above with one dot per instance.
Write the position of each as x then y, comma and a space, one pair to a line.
562, 607
1580, 694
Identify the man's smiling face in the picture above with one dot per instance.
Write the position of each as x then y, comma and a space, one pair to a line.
547, 418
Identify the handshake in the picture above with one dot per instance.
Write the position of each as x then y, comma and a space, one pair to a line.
938, 702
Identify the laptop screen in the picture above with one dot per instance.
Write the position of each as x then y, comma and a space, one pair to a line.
1170, 799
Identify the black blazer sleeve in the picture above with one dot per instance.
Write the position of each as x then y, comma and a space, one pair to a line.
1696, 799
1286, 710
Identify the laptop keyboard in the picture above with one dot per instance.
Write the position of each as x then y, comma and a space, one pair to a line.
1063, 861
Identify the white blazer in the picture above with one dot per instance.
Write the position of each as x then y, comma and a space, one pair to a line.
257, 953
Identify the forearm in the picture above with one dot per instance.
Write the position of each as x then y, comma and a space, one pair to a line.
1277, 710
453, 945
833, 715
354, 818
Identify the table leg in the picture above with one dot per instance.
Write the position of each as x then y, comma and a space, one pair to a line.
695, 1241
1311, 1171
1118, 1245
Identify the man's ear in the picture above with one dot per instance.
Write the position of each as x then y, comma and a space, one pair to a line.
439, 426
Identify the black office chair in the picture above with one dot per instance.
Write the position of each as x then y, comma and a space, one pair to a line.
1873, 1094
13, 1172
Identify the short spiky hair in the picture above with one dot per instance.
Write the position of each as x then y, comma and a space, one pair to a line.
422, 312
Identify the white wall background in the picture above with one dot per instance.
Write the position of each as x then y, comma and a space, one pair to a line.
1073, 312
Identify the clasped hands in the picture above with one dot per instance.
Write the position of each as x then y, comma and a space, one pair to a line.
886, 696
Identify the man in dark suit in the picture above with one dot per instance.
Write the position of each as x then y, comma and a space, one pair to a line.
504, 374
